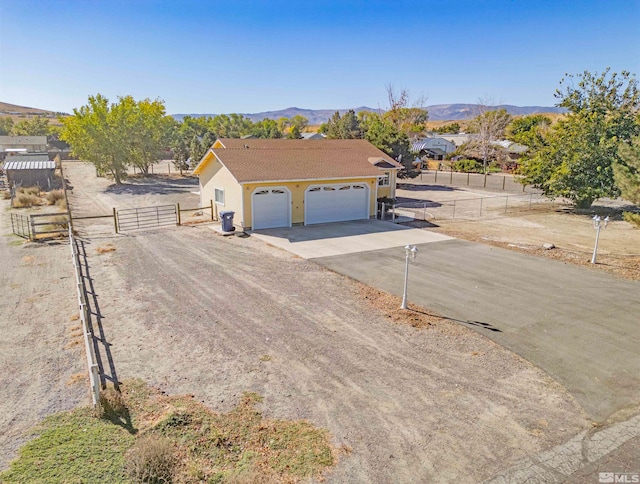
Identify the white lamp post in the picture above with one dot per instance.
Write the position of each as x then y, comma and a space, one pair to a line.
410, 251
598, 224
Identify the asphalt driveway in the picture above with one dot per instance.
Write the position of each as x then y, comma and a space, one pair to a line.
581, 326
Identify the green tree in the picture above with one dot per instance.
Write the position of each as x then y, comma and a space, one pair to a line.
384, 135
577, 158
230, 126
626, 172
294, 133
489, 127
346, 126
38, 126
408, 119
94, 135
529, 130
152, 128
300, 122
6, 126
114, 136
267, 128
453, 128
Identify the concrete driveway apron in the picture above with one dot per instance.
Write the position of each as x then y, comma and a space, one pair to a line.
338, 238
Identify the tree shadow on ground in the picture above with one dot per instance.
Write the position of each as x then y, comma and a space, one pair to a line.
154, 184
425, 188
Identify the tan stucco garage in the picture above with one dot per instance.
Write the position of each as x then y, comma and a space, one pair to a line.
281, 183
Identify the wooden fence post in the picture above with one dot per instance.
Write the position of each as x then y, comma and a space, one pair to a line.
211, 202
32, 228
179, 218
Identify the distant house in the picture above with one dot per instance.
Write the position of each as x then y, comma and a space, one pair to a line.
28, 172
513, 150
22, 144
312, 136
281, 182
433, 148
458, 139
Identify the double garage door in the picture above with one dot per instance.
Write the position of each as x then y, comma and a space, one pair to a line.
271, 207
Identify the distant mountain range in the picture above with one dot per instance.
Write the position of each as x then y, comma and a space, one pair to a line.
437, 112
15, 110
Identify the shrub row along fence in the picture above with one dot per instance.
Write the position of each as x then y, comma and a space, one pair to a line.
81, 289
467, 209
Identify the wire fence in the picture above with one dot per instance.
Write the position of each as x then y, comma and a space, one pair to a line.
469, 208
492, 181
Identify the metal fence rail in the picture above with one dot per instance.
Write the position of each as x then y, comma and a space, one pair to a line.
493, 181
146, 217
49, 224
21, 225
468, 208
92, 365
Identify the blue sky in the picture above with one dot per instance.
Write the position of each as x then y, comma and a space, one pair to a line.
251, 56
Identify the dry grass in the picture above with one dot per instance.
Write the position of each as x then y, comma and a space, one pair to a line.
152, 459
29, 190
625, 266
26, 200
54, 196
389, 306
105, 249
58, 222
76, 378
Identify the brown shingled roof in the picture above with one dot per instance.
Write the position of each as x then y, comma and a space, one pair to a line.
252, 160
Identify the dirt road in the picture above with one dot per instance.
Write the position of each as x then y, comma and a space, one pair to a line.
197, 313
42, 366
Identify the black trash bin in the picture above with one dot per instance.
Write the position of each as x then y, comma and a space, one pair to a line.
227, 221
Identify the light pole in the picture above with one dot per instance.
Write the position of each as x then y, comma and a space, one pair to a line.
410, 251
598, 224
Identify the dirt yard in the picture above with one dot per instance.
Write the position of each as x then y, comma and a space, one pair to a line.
572, 234
41, 351
410, 399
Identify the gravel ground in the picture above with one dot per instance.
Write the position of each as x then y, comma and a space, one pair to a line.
571, 233
410, 399
42, 363
193, 312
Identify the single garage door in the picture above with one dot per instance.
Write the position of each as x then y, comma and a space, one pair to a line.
271, 207
336, 203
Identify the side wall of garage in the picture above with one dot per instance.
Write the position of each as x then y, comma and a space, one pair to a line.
215, 175
298, 190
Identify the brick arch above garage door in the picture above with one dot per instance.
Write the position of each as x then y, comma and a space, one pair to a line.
336, 202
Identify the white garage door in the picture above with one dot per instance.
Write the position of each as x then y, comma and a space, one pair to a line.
271, 207
336, 203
